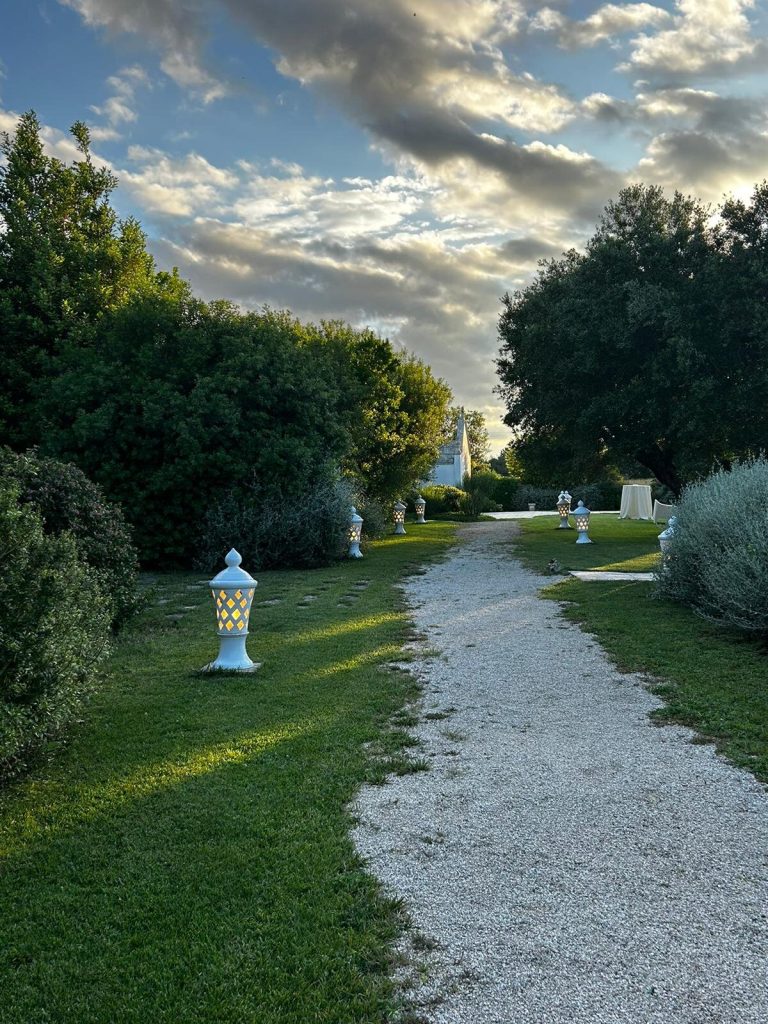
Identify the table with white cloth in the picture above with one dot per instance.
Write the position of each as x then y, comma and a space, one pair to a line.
636, 502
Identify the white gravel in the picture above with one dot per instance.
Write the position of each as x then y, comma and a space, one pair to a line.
573, 862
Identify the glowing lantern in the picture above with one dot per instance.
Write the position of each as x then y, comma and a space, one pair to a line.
582, 515
355, 533
399, 517
421, 507
564, 509
232, 591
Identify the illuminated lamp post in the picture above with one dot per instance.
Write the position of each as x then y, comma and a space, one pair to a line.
582, 515
232, 591
564, 509
355, 533
399, 517
421, 507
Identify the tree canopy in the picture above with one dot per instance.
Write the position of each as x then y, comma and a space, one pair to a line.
634, 349
170, 403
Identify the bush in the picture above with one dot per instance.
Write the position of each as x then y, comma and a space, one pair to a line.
718, 557
505, 492
68, 501
604, 496
54, 623
274, 532
477, 494
441, 499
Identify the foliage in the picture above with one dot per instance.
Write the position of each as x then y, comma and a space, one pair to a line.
183, 404
65, 260
69, 502
477, 433
624, 351
441, 498
478, 491
209, 819
392, 407
273, 532
718, 555
53, 630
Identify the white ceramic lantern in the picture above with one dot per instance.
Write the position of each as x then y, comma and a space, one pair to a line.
399, 517
564, 509
665, 537
582, 514
355, 533
232, 591
421, 507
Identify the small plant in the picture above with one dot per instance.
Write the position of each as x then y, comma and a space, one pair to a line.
718, 555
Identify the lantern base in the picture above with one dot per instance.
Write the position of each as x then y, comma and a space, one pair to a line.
399, 530
421, 519
232, 657
564, 525
583, 539
354, 550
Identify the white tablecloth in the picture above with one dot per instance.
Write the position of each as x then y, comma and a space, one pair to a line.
662, 513
636, 502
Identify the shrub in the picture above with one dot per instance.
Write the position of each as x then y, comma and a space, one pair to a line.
505, 492
68, 501
274, 532
718, 560
54, 623
477, 494
441, 499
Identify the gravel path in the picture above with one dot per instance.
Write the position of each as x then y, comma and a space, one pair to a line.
571, 861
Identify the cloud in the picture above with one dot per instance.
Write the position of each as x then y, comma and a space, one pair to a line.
605, 23
176, 27
119, 107
708, 37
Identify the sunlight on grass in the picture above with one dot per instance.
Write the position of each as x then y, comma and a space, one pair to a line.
386, 651
641, 563
344, 628
84, 803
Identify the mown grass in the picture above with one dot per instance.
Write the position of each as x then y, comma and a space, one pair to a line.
710, 679
618, 545
186, 856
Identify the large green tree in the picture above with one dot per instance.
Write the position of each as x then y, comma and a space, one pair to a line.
65, 261
613, 354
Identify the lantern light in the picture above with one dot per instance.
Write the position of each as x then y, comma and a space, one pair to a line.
421, 507
564, 509
665, 537
399, 517
232, 590
355, 533
582, 514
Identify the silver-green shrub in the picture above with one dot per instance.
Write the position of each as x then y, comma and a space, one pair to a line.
718, 557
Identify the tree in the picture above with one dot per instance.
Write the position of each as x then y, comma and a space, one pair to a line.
611, 354
477, 433
392, 406
65, 261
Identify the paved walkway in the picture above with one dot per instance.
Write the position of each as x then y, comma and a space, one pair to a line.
569, 861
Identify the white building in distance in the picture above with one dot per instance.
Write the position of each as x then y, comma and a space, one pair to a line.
455, 461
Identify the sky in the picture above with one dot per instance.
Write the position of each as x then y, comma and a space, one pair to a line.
399, 164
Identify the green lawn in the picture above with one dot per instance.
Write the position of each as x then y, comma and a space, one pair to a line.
186, 856
621, 545
710, 679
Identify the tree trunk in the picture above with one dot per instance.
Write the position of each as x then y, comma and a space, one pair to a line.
662, 466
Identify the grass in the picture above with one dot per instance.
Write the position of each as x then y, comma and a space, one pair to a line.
710, 679
618, 545
186, 856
